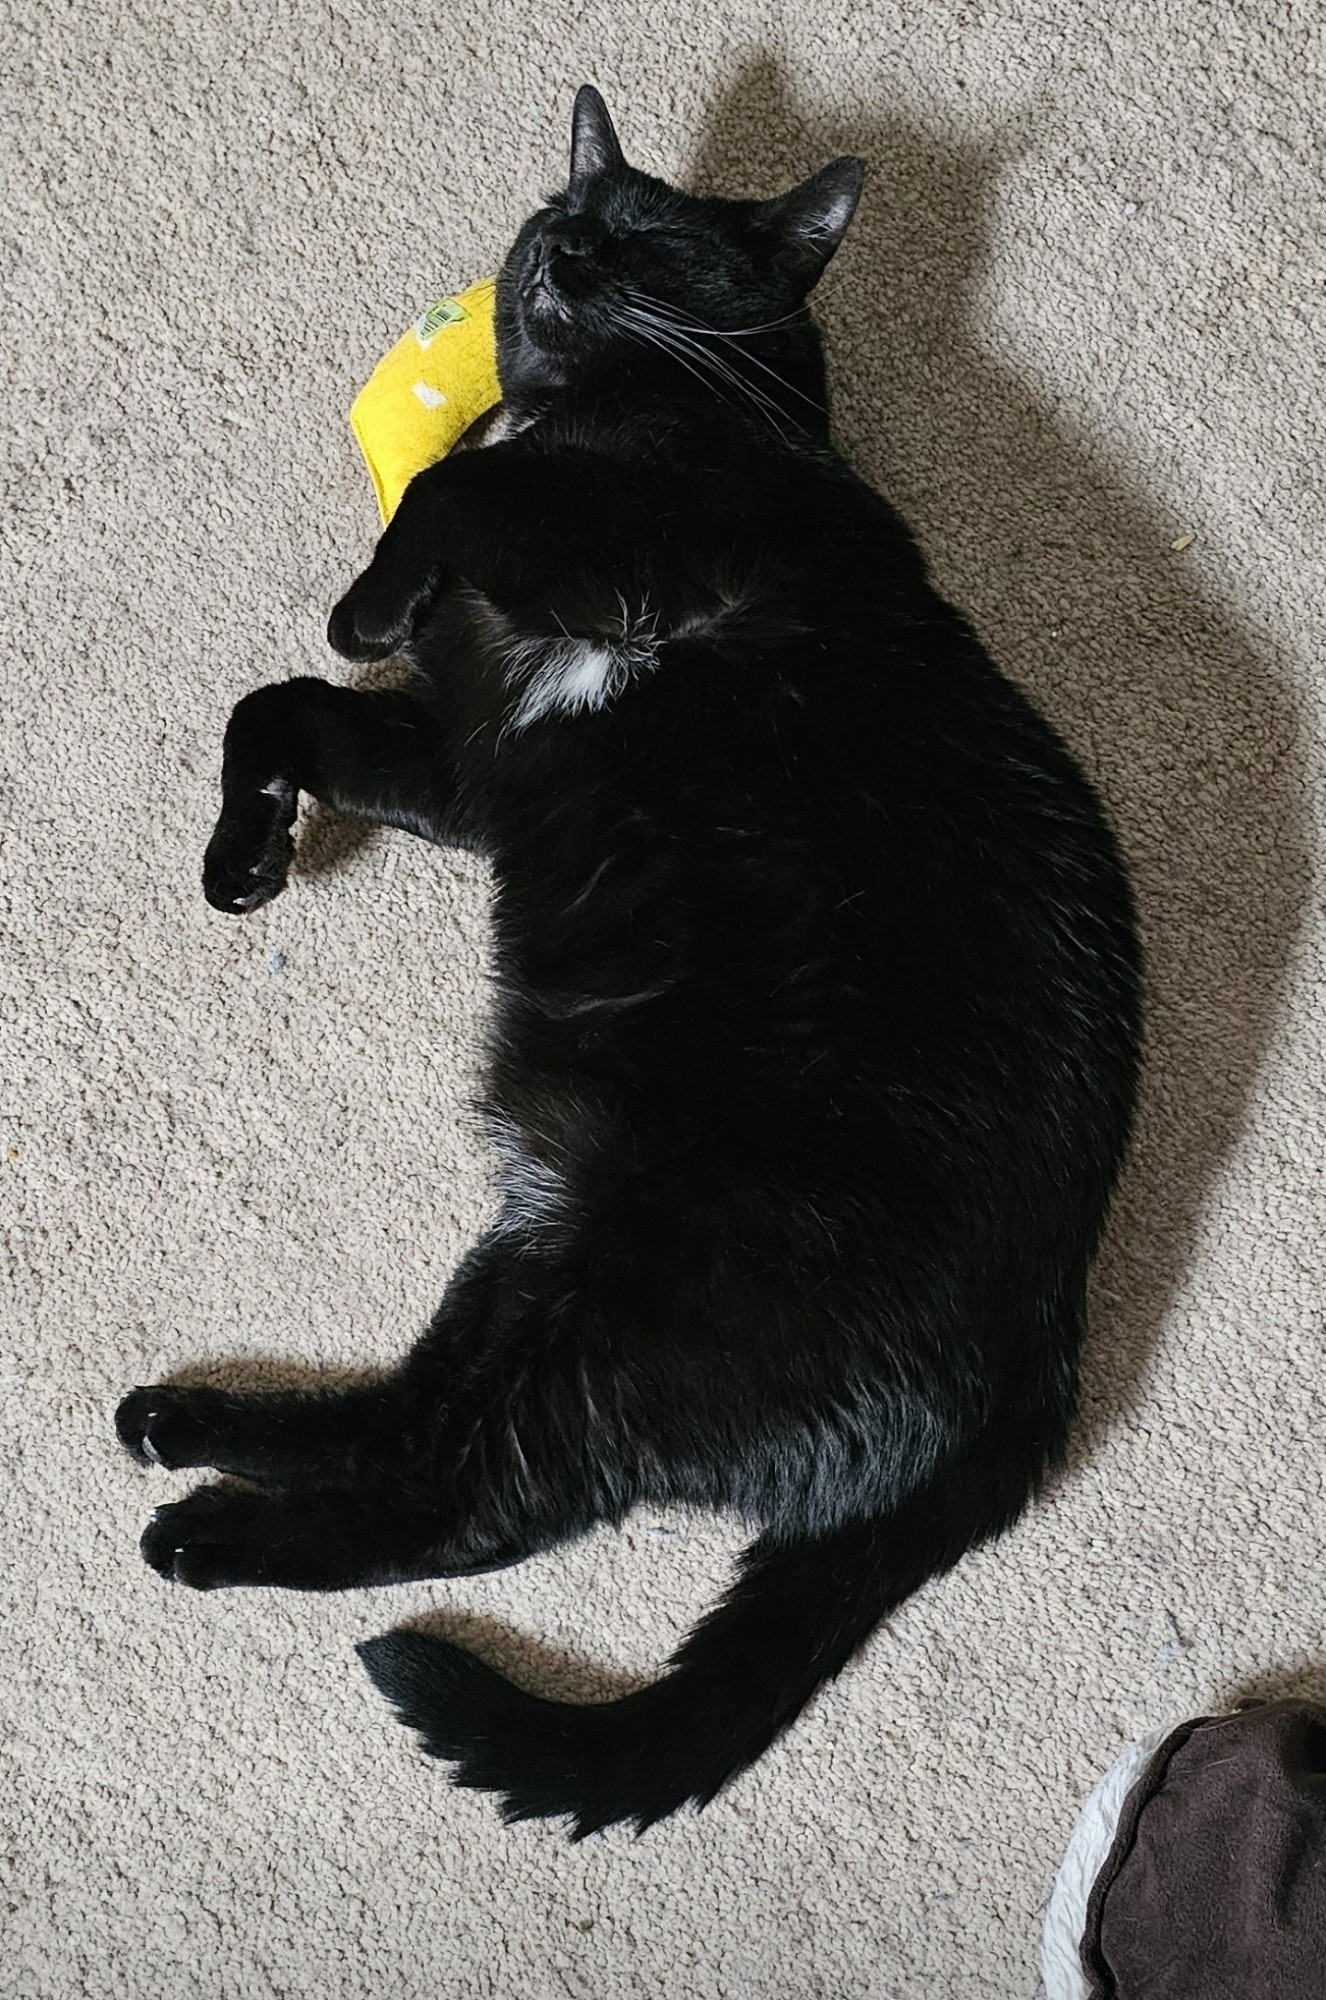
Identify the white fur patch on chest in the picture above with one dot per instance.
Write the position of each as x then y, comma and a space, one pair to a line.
562, 676
572, 675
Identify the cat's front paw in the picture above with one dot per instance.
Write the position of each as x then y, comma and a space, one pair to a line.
364, 626
248, 856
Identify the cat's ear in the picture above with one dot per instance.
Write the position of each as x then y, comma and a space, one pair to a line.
594, 145
810, 220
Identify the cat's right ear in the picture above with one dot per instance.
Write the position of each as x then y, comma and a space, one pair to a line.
809, 222
594, 144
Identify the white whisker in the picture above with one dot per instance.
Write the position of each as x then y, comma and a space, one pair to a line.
705, 366
685, 323
652, 338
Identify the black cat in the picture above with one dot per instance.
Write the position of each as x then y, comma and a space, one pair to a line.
815, 1013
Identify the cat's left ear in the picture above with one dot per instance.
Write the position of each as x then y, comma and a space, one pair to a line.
594, 145
810, 221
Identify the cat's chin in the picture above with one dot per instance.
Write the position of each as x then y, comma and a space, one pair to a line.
530, 373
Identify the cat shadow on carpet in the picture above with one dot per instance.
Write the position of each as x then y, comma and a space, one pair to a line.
266, 1373
558, 1672
1069, 577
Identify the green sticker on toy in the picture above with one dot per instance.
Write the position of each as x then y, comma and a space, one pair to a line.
446, 312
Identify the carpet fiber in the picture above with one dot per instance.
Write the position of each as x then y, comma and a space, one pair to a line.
1077, 334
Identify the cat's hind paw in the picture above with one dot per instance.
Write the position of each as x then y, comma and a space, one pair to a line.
148, 1425
218, 1535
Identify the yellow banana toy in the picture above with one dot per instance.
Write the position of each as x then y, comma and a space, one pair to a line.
422, 397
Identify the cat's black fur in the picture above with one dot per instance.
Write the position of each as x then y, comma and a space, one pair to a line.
815, 1014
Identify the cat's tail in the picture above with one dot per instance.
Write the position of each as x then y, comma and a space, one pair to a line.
797, 1612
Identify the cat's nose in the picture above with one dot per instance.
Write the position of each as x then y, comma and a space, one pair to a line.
572, 238
565, 260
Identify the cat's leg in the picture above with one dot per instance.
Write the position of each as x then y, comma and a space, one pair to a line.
324, 1437
516, 525
376, 753
510, 1470
385, 605
511, 1441
495, 1479
315, 1539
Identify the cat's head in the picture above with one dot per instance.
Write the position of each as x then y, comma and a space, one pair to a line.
620, 267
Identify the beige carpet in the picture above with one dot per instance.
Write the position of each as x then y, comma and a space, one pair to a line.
1079, 321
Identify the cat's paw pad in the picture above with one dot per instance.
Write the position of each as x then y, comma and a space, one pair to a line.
206, 1540
247, 860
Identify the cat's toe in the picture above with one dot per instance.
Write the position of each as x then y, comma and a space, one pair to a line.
158, 1545
133, 1425
169, 1549
164, 1426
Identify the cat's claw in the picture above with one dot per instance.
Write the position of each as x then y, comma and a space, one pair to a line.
132, 1419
